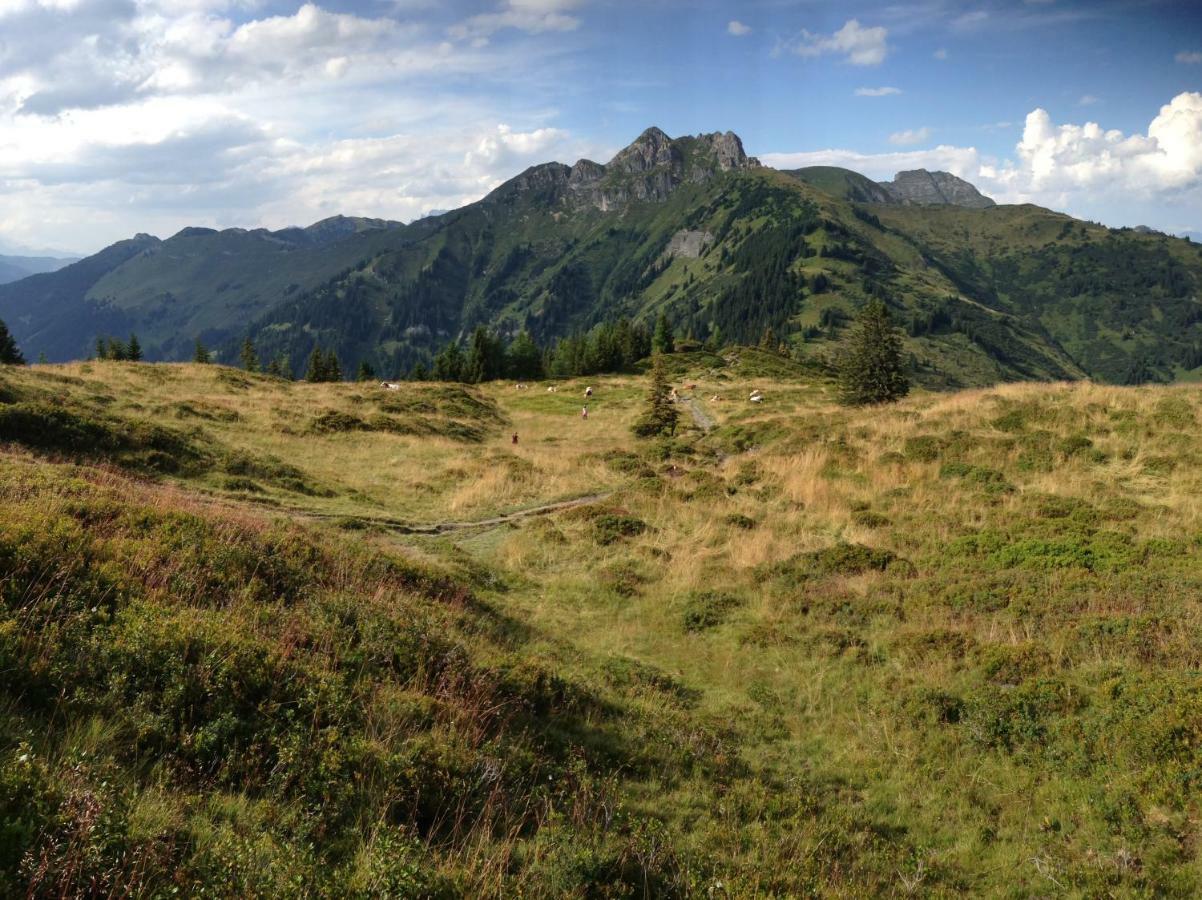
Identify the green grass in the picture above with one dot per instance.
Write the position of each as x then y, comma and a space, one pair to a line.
948, 647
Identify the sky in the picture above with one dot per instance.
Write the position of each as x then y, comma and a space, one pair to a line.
127, 116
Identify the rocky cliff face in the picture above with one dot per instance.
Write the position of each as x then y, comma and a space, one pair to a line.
650, 169
935, 188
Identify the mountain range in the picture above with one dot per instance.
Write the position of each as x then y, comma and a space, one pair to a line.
691, 227
14, 268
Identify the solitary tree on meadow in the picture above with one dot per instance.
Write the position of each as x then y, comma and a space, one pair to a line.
660, 414
249, 356
871, 370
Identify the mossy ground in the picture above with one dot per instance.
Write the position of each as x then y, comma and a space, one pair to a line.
945, 647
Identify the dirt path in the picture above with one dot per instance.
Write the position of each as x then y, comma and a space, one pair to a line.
444, 527
703, 419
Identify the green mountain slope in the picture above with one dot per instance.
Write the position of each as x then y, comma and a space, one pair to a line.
690, 227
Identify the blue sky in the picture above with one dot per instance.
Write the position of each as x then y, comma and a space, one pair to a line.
118, 116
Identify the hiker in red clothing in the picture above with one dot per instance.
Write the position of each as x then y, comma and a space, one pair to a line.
584, 413
515, 437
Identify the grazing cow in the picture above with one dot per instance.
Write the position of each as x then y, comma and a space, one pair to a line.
757, 397
588, 392
715, 398
551, 389
390, 385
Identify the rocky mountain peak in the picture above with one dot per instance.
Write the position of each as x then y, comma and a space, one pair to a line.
650, 150
919, 186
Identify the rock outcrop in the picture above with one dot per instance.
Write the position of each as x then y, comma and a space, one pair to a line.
925, 188
649, 170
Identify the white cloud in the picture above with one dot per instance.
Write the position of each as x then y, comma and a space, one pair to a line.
737, 29
910, 136
1189, 58
877, 92
861, 46
1088, 100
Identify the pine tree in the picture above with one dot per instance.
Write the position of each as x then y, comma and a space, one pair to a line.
420, 372
366, 371
871, 370
133, 350
249, 356
663, 341
10, 353
316, 370
201, 354
333, 369
523, 359
102, 348
118, 350
660, 415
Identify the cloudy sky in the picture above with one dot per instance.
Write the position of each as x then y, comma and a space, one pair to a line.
120, 116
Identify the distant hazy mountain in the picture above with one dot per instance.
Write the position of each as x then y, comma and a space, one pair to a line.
14, 268
691, 227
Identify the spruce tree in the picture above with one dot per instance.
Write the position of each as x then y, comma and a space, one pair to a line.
201, 354
102, 348
249, 356
523, 359
333, 369
663, 341
117, 350
133, 350
316, 370
660, 415
871, 369
10, 353
366, 371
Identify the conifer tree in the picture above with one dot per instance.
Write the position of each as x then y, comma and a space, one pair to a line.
333, 370
133, 350
201, 354
660, 415
10, 353
420, 372
316, 370
117, 350
102, 348
871, 369
523, 359
663, 341
249, 356
366, 371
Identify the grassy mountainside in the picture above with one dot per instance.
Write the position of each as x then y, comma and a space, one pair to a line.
689, 227
946, 647
200, 283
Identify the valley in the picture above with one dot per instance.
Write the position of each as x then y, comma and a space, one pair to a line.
934, 648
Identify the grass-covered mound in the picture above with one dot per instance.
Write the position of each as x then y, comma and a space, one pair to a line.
202, 703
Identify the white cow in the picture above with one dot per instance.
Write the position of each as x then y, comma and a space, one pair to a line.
390, 385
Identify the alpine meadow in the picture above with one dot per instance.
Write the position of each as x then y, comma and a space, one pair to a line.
673, 522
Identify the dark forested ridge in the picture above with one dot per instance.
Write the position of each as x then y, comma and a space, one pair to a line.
726, 249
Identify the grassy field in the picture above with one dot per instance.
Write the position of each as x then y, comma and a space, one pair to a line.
950, 646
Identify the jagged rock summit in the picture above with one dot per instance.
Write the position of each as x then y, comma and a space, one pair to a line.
935, 189
650, 169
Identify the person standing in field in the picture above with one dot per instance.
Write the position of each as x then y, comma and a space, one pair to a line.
584, 412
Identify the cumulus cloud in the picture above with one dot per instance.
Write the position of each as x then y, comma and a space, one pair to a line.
737, 29
877, 92
859, 45
910, 136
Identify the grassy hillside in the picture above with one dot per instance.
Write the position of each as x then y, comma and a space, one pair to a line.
945, 647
